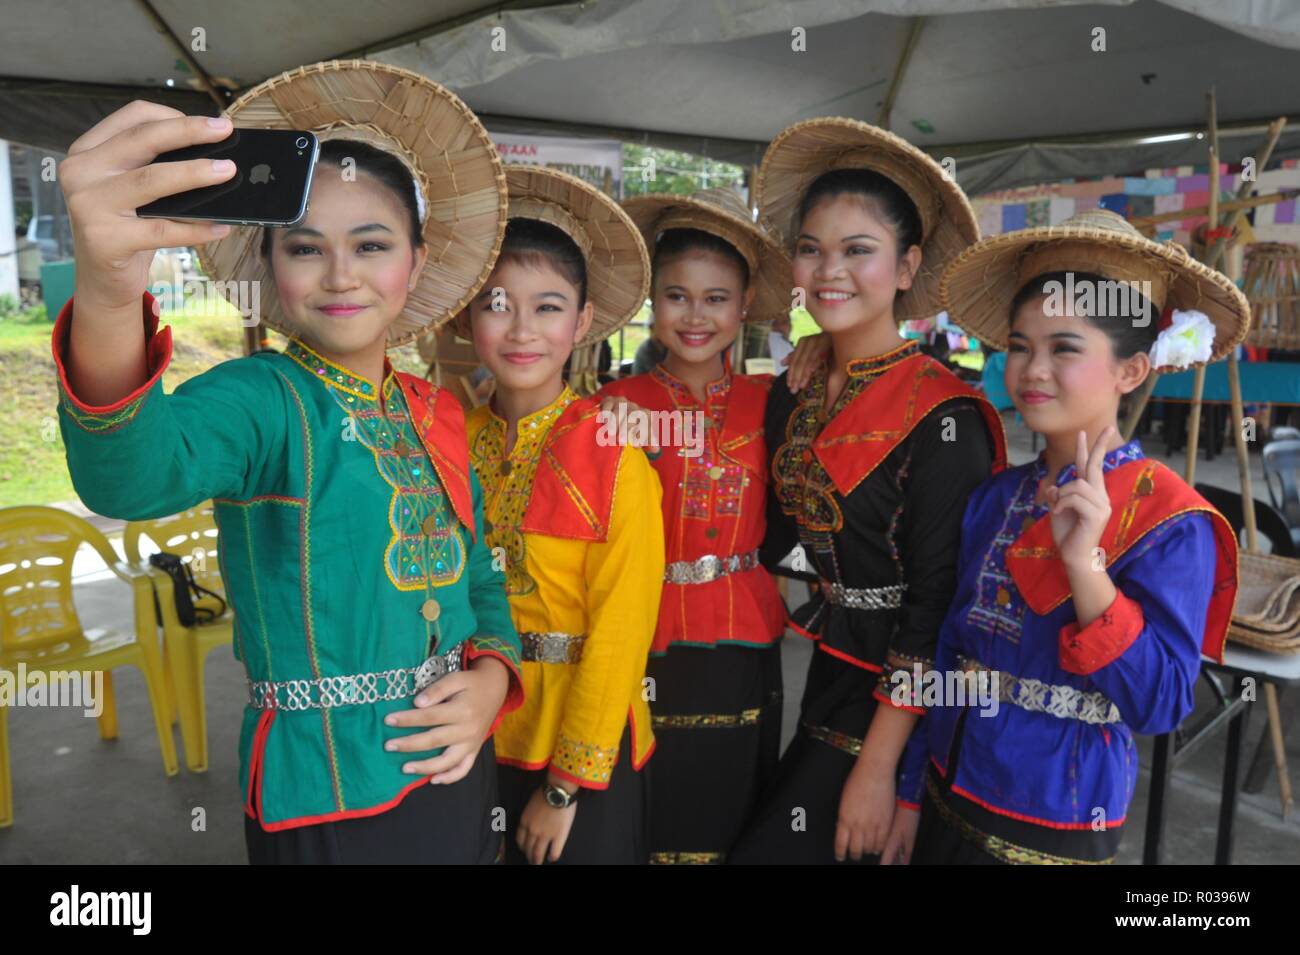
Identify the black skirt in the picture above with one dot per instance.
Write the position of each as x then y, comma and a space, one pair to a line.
609, 827
444, 824
955, 831
796, 819
716, 715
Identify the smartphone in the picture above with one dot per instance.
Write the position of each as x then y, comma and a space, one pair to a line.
272, 178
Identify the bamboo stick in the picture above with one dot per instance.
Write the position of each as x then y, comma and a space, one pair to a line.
1198, 385
1232, 205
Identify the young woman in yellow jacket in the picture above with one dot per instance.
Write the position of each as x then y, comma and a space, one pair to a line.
575, 522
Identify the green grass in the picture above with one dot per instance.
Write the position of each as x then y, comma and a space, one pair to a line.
33, 463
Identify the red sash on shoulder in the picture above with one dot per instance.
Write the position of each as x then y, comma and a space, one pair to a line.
439, 423
742, 430
1143, 495
573, 489
857, 439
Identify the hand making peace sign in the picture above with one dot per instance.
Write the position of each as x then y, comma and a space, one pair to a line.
1080, 509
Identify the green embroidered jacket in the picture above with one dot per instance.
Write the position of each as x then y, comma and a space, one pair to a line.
351, 542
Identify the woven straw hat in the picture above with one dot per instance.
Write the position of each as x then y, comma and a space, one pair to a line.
618, 268
450, 155
722, 213
979, 285
803, 152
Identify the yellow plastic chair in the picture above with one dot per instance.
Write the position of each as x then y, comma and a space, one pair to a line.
40, 629
192, 536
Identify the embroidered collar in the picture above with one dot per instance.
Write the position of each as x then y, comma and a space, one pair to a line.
865, 367
713, 391
1129, 451
335, 375
533, 428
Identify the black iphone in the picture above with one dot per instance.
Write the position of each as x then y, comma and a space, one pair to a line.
272, 177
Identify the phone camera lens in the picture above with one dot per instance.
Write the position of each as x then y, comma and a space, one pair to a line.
302, 142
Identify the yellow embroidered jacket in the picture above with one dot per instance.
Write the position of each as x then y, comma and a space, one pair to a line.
578, 528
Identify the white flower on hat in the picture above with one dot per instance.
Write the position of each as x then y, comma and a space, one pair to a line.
1188, 339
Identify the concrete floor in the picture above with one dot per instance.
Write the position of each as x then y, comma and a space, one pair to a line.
78, 799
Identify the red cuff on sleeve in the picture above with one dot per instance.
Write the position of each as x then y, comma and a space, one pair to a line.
888, 698
158, 353
514, 694
1086, 650
578, 781
914, 806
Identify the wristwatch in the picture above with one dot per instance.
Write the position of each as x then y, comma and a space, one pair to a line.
558, 798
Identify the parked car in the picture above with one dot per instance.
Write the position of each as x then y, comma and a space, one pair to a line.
41, 230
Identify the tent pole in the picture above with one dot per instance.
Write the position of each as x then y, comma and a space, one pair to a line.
162, 27
887, 107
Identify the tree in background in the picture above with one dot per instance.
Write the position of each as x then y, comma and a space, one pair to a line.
674, 172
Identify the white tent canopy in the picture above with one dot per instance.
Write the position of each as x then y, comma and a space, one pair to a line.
1015, 90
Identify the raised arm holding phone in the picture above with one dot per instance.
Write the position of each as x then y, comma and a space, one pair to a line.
372, 624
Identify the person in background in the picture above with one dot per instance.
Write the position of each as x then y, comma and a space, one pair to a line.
779, 346
649, 354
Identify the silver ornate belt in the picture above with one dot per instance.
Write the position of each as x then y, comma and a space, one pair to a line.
709, 567
551, 647
331, 691
864, 598
1055, 699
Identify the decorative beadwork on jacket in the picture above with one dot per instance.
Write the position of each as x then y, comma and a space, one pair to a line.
899, 677
101, 423
584, 760
502, 648
712, 485
508, 483
333, 374
999, 609
802, 487
428, 545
